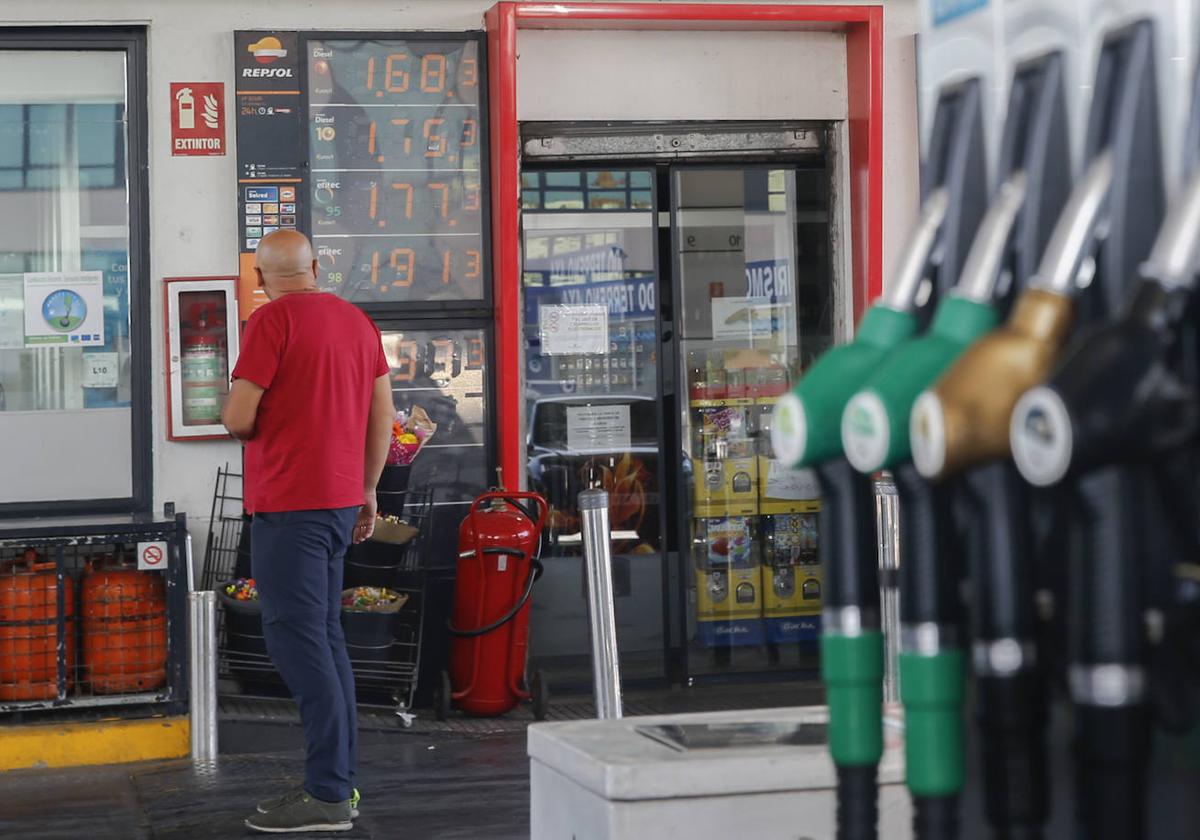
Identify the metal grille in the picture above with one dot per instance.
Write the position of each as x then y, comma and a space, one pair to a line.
81, 625
385, 669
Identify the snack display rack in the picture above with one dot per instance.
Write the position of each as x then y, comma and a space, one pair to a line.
754, 544
385, 647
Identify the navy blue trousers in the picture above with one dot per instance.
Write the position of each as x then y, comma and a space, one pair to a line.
297, 560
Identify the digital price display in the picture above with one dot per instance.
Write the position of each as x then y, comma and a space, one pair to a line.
396, 169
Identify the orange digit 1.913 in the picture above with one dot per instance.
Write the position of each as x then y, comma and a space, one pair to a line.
474, 260
402, 260
406, 361
446, 267
401, 122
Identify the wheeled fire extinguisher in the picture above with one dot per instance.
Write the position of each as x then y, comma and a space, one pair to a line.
498, 544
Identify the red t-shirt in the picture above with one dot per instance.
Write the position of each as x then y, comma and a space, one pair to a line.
317, 357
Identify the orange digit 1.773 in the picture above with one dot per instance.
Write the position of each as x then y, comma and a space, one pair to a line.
444, 189
408, 197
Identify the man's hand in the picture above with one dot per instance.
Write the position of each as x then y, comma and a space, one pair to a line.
365, 526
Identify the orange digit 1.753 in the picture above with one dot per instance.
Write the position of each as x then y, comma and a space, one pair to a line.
401, 122
435, 143
470, 133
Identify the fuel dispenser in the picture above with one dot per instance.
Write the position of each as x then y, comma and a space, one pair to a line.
1116, 427
1033, 176
805, 431
960, 426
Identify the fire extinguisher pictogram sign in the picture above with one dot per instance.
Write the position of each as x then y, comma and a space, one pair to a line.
197, 118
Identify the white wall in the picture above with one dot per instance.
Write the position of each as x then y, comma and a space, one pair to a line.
615, 75
193, 226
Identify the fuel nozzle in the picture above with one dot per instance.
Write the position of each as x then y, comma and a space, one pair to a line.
1106, 425
806, 423
963, 420
806, 431
1115, 397
875, 436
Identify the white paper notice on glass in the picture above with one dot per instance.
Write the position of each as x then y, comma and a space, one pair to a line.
742, 318
12, 311
64, 308
796, 485
101, 370
573, 329
598, 428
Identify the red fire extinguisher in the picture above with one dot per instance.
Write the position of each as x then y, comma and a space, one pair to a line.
497, 568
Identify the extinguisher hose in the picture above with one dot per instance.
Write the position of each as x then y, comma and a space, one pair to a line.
535, 572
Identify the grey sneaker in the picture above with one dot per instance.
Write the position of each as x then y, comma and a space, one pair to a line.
303, 813
295, 793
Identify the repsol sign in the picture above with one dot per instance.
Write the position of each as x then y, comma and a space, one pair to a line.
266, 72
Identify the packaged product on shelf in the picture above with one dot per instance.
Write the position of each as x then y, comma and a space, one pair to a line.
728, 581
791, 576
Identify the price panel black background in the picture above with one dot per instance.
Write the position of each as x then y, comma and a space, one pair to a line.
396, 156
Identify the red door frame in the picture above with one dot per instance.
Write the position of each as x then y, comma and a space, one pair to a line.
863, 26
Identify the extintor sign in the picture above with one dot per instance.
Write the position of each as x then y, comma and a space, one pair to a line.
198, 118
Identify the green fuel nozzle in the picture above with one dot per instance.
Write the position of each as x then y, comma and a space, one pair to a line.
806, 424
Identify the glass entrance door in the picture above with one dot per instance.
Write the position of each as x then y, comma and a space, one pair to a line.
660, 325
592, 415
753, 307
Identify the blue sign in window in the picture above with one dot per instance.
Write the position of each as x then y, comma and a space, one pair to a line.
944, 11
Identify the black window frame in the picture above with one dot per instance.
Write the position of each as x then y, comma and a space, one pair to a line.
132, 41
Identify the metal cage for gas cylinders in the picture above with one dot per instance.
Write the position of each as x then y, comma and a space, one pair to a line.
498, 565
93, 613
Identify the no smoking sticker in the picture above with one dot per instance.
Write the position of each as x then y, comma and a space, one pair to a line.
152, 555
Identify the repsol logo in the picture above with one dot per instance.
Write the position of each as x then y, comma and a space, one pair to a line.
266, 72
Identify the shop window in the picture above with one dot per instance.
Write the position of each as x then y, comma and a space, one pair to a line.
72, 358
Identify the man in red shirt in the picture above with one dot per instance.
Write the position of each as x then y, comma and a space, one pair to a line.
312, 400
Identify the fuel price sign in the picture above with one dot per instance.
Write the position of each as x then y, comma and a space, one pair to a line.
396, 163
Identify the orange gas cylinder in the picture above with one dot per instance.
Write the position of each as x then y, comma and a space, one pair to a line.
29, 629
124, 627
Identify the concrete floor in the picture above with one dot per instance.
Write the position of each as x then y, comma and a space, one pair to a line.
412, 787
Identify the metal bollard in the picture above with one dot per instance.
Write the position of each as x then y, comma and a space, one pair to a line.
597, 552
887, 519
202, 637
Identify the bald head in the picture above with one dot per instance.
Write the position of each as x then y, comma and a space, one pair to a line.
285, 263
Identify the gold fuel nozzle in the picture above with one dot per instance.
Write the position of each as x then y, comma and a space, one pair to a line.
963, 420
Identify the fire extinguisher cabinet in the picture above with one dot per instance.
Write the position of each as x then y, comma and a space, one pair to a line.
202, 347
